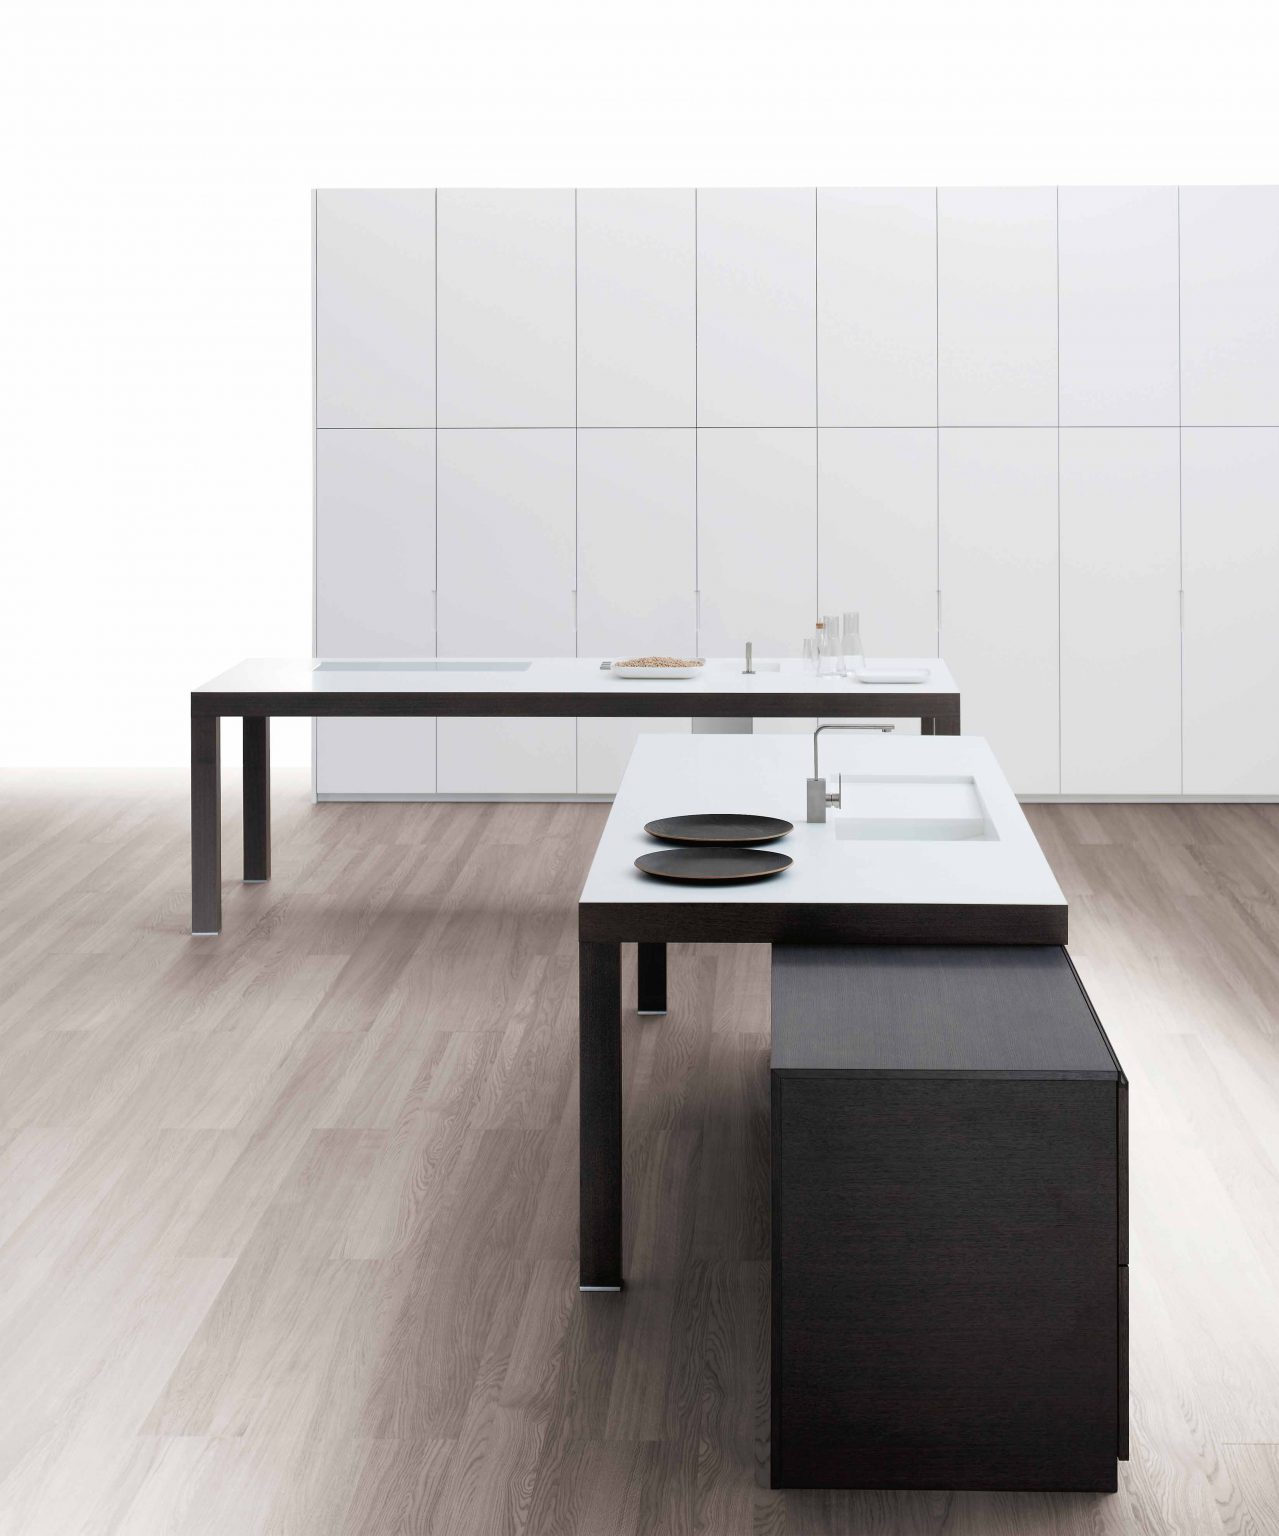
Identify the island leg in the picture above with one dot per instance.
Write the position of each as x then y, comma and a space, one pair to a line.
651, 978
945, 723
206, 824
600, 1088
257, 797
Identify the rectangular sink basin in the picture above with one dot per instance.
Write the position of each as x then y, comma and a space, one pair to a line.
912, 809
414, 665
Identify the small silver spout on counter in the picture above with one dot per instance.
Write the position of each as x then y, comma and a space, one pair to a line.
819, 797
749, 669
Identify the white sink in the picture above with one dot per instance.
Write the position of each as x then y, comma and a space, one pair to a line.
922, 809
412, 664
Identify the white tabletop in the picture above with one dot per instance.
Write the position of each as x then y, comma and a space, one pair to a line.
541, 675
766, 775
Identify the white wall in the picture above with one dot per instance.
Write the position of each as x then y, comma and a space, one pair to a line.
155, 503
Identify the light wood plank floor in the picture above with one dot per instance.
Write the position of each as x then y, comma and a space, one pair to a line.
287, 1219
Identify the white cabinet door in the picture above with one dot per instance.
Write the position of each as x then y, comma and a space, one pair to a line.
1118, 306
1120, 628
1230, 529
506, 577
636, 309
391, 759
506, 347
637, 554
604, 748
375, 543
997, 306
757, 540
877, 533
1230, 306
998, 515
756, 308
375, 309
636, 571
374, 581
877, 307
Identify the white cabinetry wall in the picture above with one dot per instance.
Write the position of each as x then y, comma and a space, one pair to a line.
1230, 488
636, 570
1230, 522
374, 470
998, 486
1015, 426
506, 559
1120, 639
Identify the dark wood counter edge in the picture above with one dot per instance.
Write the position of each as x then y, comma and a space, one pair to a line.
1122, 1449
941, 707
828, 923
1121, 1115
1101, 1028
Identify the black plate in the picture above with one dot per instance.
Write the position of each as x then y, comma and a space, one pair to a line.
712, 864
718, 829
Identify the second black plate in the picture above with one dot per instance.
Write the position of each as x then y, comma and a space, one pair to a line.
717, 829
712, 864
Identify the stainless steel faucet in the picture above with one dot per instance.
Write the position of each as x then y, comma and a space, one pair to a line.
819, 797
749, 669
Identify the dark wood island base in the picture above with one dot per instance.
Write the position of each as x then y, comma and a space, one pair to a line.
949, 1223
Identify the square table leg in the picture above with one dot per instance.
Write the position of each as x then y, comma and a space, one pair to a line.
651, 977
946, 724
206, 824
257, 797
600, 1089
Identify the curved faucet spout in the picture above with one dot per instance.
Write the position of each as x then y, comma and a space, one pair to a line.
819, 796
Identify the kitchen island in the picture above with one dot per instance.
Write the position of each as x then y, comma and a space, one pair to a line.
723, 696
869, 875
949, 1122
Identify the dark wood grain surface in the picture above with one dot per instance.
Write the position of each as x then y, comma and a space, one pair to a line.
769, 922
945, 1283
1010, 1011
650, 978
599, 1036
624, 703
256, 756
206, 824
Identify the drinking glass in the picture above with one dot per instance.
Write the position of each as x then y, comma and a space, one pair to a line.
854, 657
833, 645
827, 646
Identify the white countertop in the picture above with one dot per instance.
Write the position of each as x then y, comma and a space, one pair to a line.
766, 775
540, 674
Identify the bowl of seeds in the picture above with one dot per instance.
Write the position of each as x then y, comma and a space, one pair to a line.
658, 666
